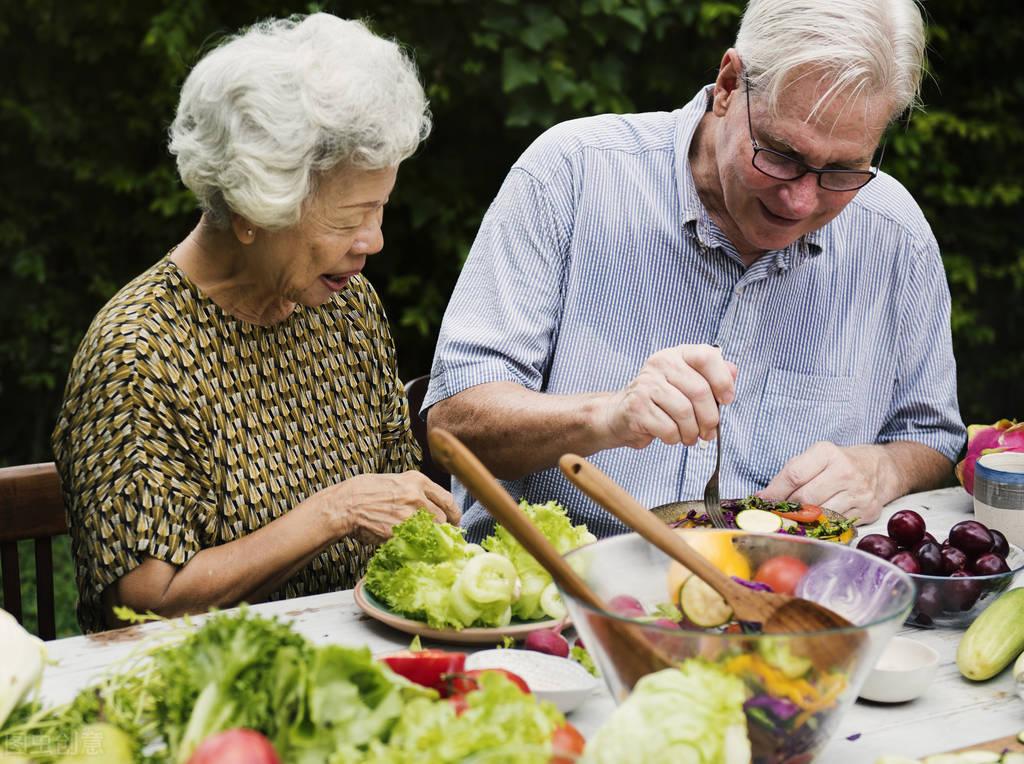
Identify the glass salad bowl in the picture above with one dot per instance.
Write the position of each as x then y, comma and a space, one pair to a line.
793, 688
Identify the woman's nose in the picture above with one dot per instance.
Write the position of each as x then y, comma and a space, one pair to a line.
370, 241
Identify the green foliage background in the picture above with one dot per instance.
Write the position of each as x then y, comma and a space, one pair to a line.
89, 196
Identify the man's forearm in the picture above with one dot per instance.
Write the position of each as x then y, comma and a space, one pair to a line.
912, 467
515, 431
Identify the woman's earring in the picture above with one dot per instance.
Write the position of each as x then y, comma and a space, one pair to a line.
248, 232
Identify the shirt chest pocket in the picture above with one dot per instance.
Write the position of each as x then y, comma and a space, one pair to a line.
799, 409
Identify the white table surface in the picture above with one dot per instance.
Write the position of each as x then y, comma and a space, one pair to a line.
953, 713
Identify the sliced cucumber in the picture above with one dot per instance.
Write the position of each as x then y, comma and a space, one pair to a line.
1013, 757
758, 520
964, 757
702, 605
551, 603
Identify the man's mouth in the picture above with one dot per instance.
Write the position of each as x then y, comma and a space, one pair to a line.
777, 219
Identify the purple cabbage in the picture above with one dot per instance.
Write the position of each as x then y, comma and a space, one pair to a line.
757, 586
780, 708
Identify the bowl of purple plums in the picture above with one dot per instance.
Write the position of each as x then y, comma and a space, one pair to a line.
958, 573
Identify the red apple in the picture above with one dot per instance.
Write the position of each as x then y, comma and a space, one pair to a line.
237, 746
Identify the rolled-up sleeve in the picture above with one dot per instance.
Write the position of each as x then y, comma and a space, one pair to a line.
924, 405
502, 321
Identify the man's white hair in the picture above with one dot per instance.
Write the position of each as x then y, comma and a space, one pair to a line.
272, 108
855, 47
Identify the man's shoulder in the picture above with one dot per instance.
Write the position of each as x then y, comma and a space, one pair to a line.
599, 134
885, 198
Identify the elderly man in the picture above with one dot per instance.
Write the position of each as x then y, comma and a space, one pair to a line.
640, 278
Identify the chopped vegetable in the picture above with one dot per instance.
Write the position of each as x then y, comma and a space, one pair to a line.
426, 667
782, 573
758, 521
554, 523
702, 605
693, 713
22, 666
499, 723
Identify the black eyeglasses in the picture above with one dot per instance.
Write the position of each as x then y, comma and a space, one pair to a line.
780, 166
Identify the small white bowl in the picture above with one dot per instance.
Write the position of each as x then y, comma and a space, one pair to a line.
562, 681
903, 672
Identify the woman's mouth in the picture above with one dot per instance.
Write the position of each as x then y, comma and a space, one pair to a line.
337, 281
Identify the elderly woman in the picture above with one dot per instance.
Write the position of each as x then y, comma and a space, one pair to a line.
233, 427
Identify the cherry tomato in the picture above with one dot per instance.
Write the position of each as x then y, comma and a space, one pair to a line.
808, 513
461, 682
566, 745
426, 667
781, 573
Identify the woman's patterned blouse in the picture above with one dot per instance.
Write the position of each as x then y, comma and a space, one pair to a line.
183, 427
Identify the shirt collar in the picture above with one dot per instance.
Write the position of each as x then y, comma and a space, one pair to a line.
695, 216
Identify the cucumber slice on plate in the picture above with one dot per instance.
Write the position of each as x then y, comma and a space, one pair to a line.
758, 520
702, 605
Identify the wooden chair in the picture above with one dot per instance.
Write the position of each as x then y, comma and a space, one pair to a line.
415, 391
31, 507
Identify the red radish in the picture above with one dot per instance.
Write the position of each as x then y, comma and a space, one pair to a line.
625, 605
237, 746
548, 641
982, 439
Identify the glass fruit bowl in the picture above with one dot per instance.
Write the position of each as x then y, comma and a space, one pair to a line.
953, 603
797, 686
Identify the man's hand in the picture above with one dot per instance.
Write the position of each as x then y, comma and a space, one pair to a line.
674, 398
856, 481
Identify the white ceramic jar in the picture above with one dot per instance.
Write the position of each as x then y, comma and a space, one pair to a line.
999, 494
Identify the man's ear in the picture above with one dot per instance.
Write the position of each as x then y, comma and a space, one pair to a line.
727, 84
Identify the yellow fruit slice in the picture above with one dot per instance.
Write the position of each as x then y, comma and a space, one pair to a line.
717, 548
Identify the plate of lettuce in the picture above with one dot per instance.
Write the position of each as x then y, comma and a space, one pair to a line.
428, 580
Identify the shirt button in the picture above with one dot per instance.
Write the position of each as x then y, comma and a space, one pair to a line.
739, 290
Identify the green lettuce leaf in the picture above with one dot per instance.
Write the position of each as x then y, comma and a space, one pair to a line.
554, 523
687, 715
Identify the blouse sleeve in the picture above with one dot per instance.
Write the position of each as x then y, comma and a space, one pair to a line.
131, 457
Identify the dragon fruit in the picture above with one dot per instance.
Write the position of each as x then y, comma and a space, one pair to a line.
1004, 435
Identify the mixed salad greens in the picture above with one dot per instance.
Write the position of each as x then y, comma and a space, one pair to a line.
795, 519
316, 705
429, 572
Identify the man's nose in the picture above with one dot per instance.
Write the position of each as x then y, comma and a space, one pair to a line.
801, 195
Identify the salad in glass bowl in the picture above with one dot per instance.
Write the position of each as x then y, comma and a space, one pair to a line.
785, 695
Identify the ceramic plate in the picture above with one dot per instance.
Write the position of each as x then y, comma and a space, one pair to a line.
472, 636
671, 512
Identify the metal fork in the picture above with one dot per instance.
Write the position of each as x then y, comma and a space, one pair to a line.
712, 501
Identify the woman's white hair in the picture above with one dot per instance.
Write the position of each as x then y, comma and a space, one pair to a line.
858, 47
270, 109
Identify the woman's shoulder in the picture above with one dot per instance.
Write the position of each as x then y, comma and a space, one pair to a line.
150, 311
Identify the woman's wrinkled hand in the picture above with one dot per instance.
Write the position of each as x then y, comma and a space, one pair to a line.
368, 506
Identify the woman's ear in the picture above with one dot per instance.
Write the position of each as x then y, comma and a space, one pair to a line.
727, 84
244, 231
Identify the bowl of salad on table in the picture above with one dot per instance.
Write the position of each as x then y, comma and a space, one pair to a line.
733, 693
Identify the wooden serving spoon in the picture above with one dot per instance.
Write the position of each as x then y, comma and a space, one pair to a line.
626, 646
778, 613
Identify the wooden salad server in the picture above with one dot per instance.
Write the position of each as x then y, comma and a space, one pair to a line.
626, 646
778, 613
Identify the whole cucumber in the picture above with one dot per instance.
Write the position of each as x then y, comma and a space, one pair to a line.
994, 639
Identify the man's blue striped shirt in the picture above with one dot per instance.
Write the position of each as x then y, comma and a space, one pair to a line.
597, 253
